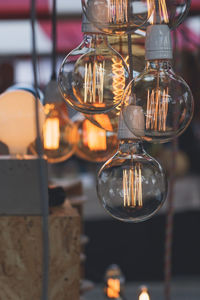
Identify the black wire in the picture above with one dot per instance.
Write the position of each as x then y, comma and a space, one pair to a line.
42, 173
54, 39
130, 54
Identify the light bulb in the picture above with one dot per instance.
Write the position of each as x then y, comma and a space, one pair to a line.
131, 185
144, 295
58, 131
17, 120
170, 12
93, 76
162, 97
93, 143
118, 16
114, 283
108, 121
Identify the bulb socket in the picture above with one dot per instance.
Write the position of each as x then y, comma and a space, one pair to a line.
123, 131
87, 26
158, 43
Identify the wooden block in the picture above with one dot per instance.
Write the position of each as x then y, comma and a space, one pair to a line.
21, 256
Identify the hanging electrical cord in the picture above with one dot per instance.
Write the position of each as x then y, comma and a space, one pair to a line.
170, 209
42, 173
130, 54
54, 39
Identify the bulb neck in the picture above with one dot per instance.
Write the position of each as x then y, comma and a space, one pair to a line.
159, 64
131, 146
96, 40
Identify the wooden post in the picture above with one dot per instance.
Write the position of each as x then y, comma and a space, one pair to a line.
21, 256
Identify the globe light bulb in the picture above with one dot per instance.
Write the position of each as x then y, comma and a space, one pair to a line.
108, 121
17, 120
144, 295
93, 143
131, 185
58, 130
159, 97
118, 16
93, 76
114, 283
170, 12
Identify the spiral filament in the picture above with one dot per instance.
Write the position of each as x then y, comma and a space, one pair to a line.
51, 132
118, 11
94, 137
118, 79
94, 82
157, 109
113, 289
132, 186
160, 13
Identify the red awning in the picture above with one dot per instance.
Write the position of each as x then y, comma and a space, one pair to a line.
21, 8
69, 34
195, 5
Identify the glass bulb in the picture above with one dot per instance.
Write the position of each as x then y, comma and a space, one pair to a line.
132, 185
17, 120
108, 121
120, 44
93, 76
144, 294
118, 16
161, 100
114, 283
93, 143
58, 133
170, 12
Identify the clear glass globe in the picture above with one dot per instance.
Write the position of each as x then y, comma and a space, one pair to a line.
108, 121
118, 17
58, 133
158, 106
132, 185
92, 77
170, 12
93, 143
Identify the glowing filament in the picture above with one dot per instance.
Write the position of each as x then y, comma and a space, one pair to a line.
94, 137
118, 79
94, 82
118, 11
157, 109
144, 295
132, 186
113, 289
51, 134
160, 13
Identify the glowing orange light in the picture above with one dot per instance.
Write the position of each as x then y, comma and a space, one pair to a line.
94, 82
104, 121
113, 289
51, 133
94, 137
118, 79
132, 186
118, 11
157, 109
160, 13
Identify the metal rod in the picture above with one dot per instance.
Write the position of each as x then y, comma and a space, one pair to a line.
42, 174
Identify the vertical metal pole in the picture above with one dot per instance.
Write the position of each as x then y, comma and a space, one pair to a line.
170, 210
